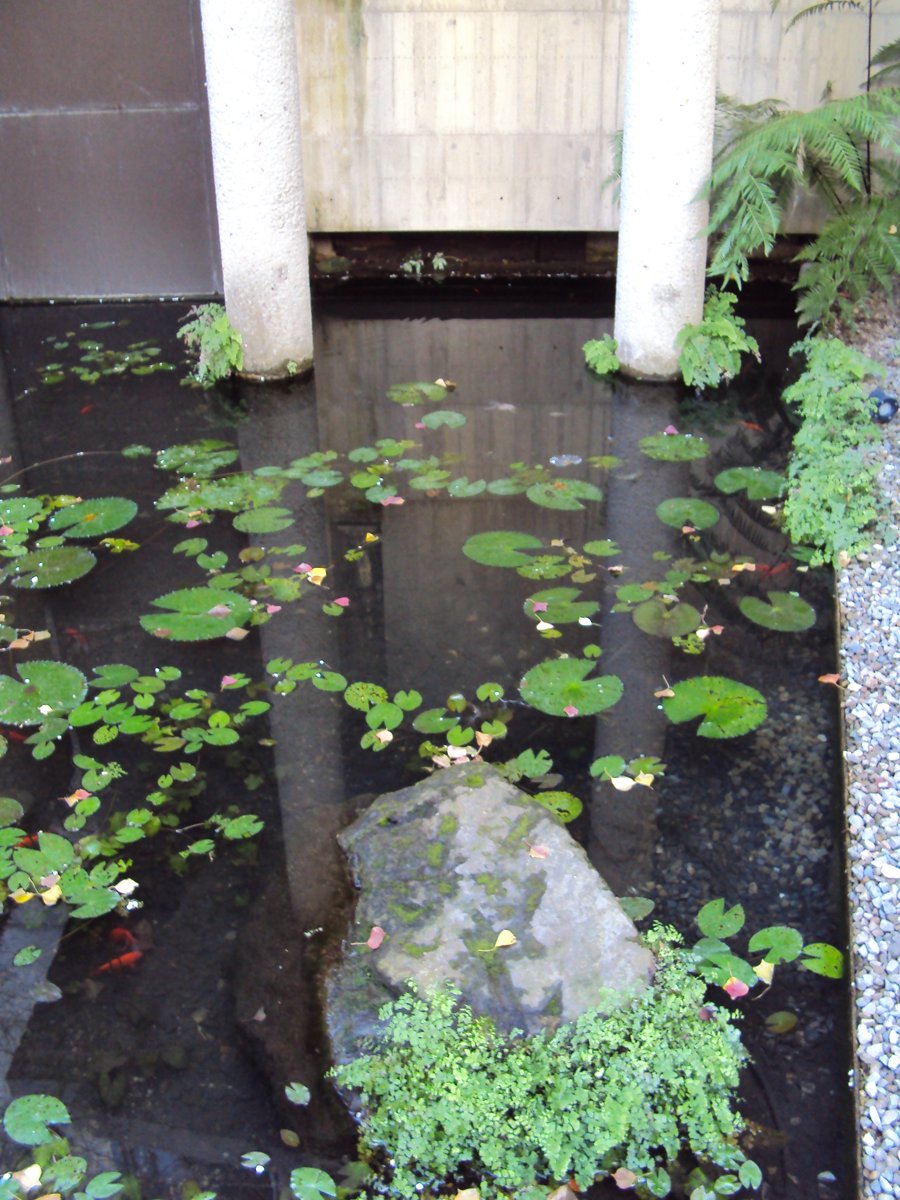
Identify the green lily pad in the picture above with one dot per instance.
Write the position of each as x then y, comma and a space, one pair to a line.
565, 494
263, 520
11, 811
779, 943
674, 447
823, 959
362, 695
728, 708
544, 566
50, 567
562, 804
197, 614
27, 1119
45, 684
758, 483
558, 684
666, 620
684, 510
417, 393
563, 606
203, 457
93, 518
501, 548
443, 416
20, 510
784, 611
462, 488
603, 548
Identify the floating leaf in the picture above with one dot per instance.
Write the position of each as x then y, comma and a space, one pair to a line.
417, 393
50, 567
505, 937
27, 1119
443, 416
735, 988
758, 483
559, 606
784, 611
562, 804
362, 695
47, 688
309, 1183
461, 489
544, 566
197, 614
728, 708
555, 684
666, 620
255, 1160
501, 548
765, 971
636, 907
263, 520
93, 518
11, 811
602, 548
823, 959
674, 447
608, 767
779, 943
781, 1022
297, 1093
27, 955
714, 921
681, 511
204, 457
565, 494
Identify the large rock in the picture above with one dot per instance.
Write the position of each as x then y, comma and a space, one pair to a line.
442, 868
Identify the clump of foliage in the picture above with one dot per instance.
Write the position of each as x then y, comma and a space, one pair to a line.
621, 1093
217, 343
710, 353
832, 490
601, 354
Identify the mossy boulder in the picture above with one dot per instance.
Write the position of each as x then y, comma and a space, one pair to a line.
443, 868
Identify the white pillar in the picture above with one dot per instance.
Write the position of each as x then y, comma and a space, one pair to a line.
670, 81
254, 117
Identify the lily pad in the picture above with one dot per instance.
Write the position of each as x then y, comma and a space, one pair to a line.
417, 393
19, 510
565, 494
563, 606
27, 1119
560, 685
784, 611
758, 483
47, 688
728, 708
93, 518
11, 811
203, 457
545, 566
666, 620
562, 804
501, 548
263, 520
684, 510
674, 447
444, 416
197, 614
602, 548
461, 488
50, 567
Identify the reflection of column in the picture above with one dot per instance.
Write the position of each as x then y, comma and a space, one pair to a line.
623, 826
670, 80
305, 725
254, 118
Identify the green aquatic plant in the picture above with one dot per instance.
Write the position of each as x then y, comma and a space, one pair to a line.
601, 355
219, 347
619, 1094
758, 483
728, 708
711, 352
784, 611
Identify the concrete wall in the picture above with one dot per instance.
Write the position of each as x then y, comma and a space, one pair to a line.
498, 114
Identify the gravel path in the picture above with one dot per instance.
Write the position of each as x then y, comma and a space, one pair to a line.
869, 598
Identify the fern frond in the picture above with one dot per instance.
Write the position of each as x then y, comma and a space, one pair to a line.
815, 10
888, 58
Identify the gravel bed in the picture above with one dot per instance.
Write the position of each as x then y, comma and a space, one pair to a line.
869, 599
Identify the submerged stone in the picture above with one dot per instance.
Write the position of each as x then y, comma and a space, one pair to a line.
447, 865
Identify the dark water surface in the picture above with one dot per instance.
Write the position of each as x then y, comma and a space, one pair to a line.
173, 1071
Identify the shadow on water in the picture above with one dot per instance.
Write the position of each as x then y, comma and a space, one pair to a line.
175, 1070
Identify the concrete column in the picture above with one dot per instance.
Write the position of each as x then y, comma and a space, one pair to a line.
670, 81
254, 117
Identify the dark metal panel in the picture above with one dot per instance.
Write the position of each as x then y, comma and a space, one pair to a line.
106, 204
96, 53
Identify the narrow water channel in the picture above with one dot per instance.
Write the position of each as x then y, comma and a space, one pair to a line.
175, 1065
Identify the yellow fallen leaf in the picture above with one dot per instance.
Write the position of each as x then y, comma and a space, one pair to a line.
538, 851
52, 896
290, 1138
622, 783
50, 1196
384, 736
644, 778
505, 937
764, 970
743, 566
73, 797
468, 1194
623, 1178
483, 740
29, 1178
663, 692
372, 537
316, 575
237, 634
21, 896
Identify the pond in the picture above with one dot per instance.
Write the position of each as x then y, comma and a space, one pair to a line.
172, 1042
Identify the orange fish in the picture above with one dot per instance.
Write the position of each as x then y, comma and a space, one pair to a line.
762, 569
124, 962
752, 425
123, 938
30, 839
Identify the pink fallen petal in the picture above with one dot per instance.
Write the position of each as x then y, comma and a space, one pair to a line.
237, 634
376, 937
538, 851
303, 569
570, 710
273, 608
343, 601
227, 681
5, 529
219, 610
393, 500
735, 988
539, 606
191, 524
421, 425
670, 429
705, 1013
